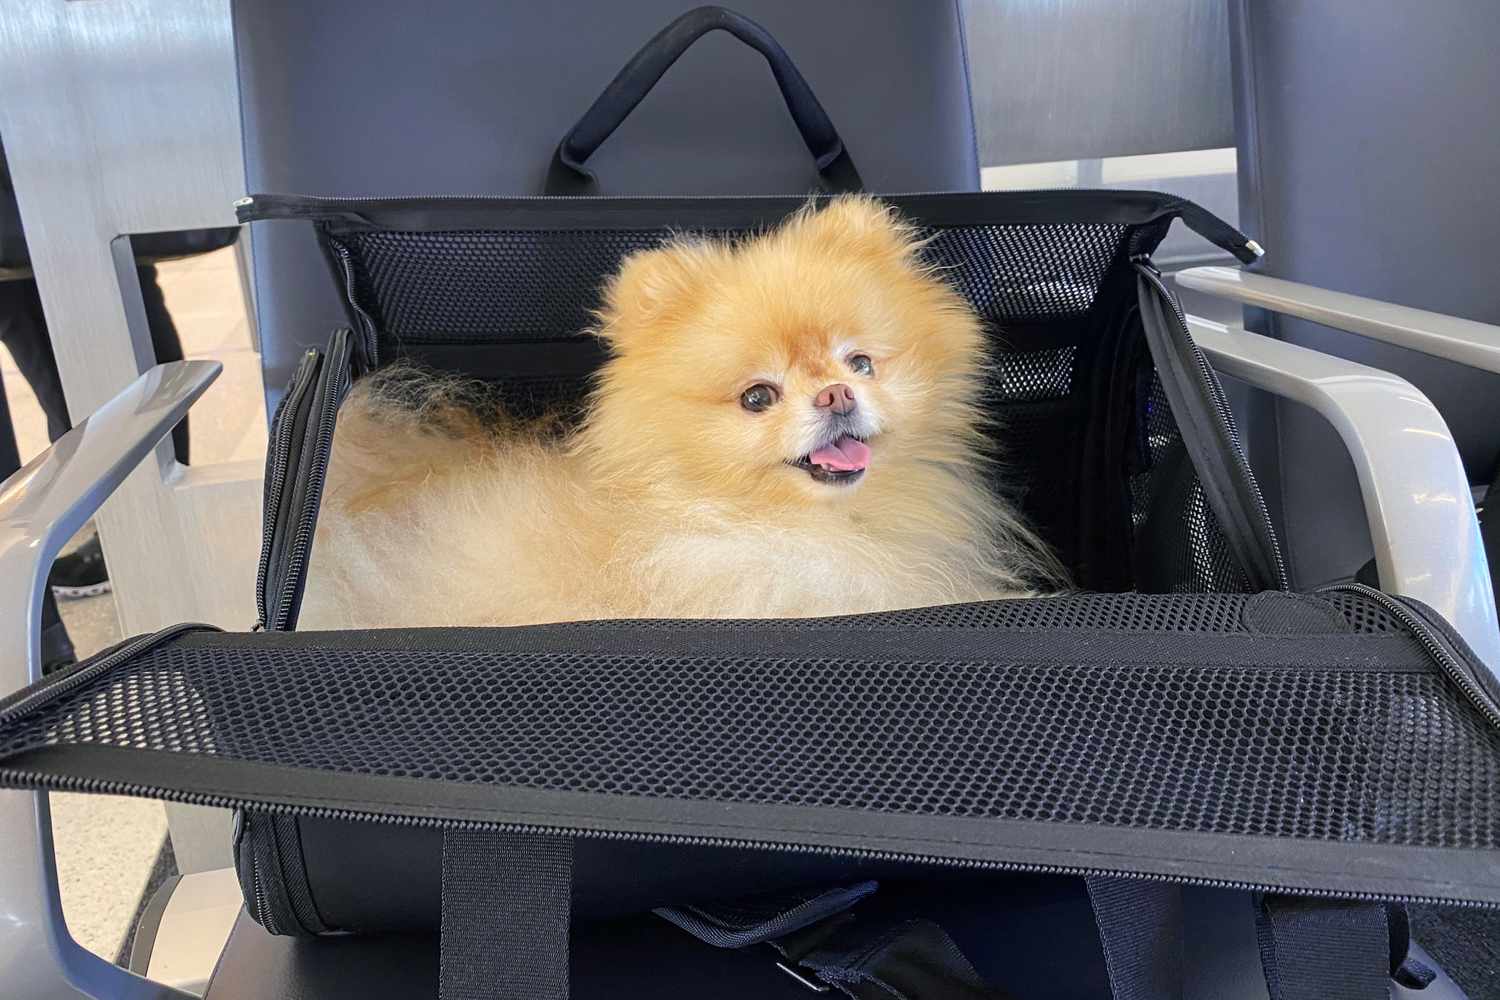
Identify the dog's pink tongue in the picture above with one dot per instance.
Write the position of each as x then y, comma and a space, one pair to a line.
847, 454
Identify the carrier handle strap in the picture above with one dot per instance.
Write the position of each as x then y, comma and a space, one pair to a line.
507, 901
1321, 949
568, 176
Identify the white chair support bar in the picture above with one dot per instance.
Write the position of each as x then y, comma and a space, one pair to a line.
1462, 340
41, 506
1416, 495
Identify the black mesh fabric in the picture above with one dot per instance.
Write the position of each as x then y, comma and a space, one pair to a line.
484, 287
1050, 715
531, 398
1180, 546
1032, 376
1012, 273
1212, 613
1363, 615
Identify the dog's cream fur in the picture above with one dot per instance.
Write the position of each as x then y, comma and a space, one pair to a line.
672, 500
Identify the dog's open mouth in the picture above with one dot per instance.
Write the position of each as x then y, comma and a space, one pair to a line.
842, 461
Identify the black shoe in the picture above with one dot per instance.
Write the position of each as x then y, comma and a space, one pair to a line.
57, 648
80, 573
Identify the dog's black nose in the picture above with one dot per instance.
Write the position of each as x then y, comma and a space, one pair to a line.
837, 397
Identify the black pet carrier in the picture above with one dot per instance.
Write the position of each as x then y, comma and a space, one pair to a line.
913, 804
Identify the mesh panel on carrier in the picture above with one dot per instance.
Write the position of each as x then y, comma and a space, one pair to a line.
1146, 712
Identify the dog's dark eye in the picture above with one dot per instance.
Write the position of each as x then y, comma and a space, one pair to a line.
861, 364
759, 397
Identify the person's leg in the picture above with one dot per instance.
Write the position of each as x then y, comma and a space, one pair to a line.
165, 342
57, 648
23, 328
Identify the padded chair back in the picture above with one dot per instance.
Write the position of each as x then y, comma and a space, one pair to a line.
471, 97
1367, 160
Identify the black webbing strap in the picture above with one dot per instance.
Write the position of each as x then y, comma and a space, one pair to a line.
1318, 949
506, 902
1140, 929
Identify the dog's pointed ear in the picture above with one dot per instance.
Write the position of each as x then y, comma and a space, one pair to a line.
653, 287
859, 225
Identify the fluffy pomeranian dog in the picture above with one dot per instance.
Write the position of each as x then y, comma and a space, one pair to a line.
787, 426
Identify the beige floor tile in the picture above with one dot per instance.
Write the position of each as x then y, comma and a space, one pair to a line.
106, 848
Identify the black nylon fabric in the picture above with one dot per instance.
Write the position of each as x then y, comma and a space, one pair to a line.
911, 960
1140, 929
1318, 949
505, 920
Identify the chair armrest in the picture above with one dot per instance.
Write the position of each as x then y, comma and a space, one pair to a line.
1416, 494
41, 506
51, 497
1465, 341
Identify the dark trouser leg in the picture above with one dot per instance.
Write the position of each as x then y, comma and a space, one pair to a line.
23, 328
57, 648
165, 342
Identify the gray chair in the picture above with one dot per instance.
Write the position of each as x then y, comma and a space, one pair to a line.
1361, 176
470, 97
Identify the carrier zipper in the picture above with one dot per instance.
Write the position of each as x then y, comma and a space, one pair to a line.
262, 910
94, 786
297, 554
1247, 484
267, 207
30, 699
367, 334
1434, 642
276, 477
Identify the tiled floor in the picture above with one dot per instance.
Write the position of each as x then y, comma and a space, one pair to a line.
106, 847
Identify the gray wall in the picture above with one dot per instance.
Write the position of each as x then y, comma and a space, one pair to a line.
1079, 79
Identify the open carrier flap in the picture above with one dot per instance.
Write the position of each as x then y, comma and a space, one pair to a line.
1294, 744
1333, 745
1269, 741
